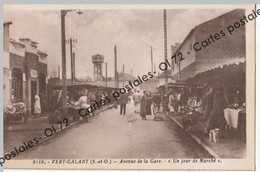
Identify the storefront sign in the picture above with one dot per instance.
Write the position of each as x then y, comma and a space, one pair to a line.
33, 73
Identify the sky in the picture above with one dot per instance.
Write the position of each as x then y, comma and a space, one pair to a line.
133, 31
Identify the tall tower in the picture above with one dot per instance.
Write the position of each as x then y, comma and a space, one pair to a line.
97, 60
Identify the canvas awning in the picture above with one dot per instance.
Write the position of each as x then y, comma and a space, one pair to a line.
200, 66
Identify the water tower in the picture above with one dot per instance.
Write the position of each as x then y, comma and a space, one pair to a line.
97, 61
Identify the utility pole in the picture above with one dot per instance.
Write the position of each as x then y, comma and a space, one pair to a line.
74, 67
123, 74
151, 59
71, 58
59, 72
165, 47
71, 41
116, 74
63, 60
106, 74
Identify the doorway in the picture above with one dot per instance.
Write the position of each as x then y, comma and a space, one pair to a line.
17, 84
33, 93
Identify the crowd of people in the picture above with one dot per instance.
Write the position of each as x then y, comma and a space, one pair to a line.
208, 101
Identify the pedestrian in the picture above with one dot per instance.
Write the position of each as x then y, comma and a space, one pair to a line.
149, 104
37, 106
114, 101
143, 106
156, 101
137, 99
171, 103
123, 101
208, 109
217, 119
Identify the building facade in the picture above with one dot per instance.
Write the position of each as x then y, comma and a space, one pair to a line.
209, 45
161, 78
25, 70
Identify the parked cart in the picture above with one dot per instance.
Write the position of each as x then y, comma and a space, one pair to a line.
16, 111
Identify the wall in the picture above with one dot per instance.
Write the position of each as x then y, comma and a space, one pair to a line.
6, 65
161, 81
229, 46
188, 53
32, 60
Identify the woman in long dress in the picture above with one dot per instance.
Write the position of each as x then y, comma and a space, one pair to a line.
37, 106
170, 104
149, 104
217, 119
143, 106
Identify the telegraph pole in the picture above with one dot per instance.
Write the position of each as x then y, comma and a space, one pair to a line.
63, 60
116, 75
71, 58
74, 67
72, 54
59, 72
123, 74
106, 74
151, 59
165, 47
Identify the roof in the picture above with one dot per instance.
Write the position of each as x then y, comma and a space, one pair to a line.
200, 66
189, 34
76, 86
231, 74
15, 43
7, 22
42, 53
235, 10
192, 31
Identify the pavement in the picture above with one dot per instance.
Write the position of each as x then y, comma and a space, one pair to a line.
110, 135
15, 133
230, 146
114, 136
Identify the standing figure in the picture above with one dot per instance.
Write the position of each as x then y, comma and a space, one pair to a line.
217, 119
171, 103
114, 101
208, 109
156, 101
123, 101
137, 99
149, 104
143, 106
37, 106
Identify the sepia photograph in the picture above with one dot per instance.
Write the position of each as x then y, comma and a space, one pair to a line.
129, 86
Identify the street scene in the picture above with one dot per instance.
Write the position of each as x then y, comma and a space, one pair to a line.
110, 135
91, 83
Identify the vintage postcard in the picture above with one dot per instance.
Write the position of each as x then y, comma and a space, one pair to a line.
129, 87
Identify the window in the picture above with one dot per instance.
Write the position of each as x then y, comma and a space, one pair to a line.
17, 84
